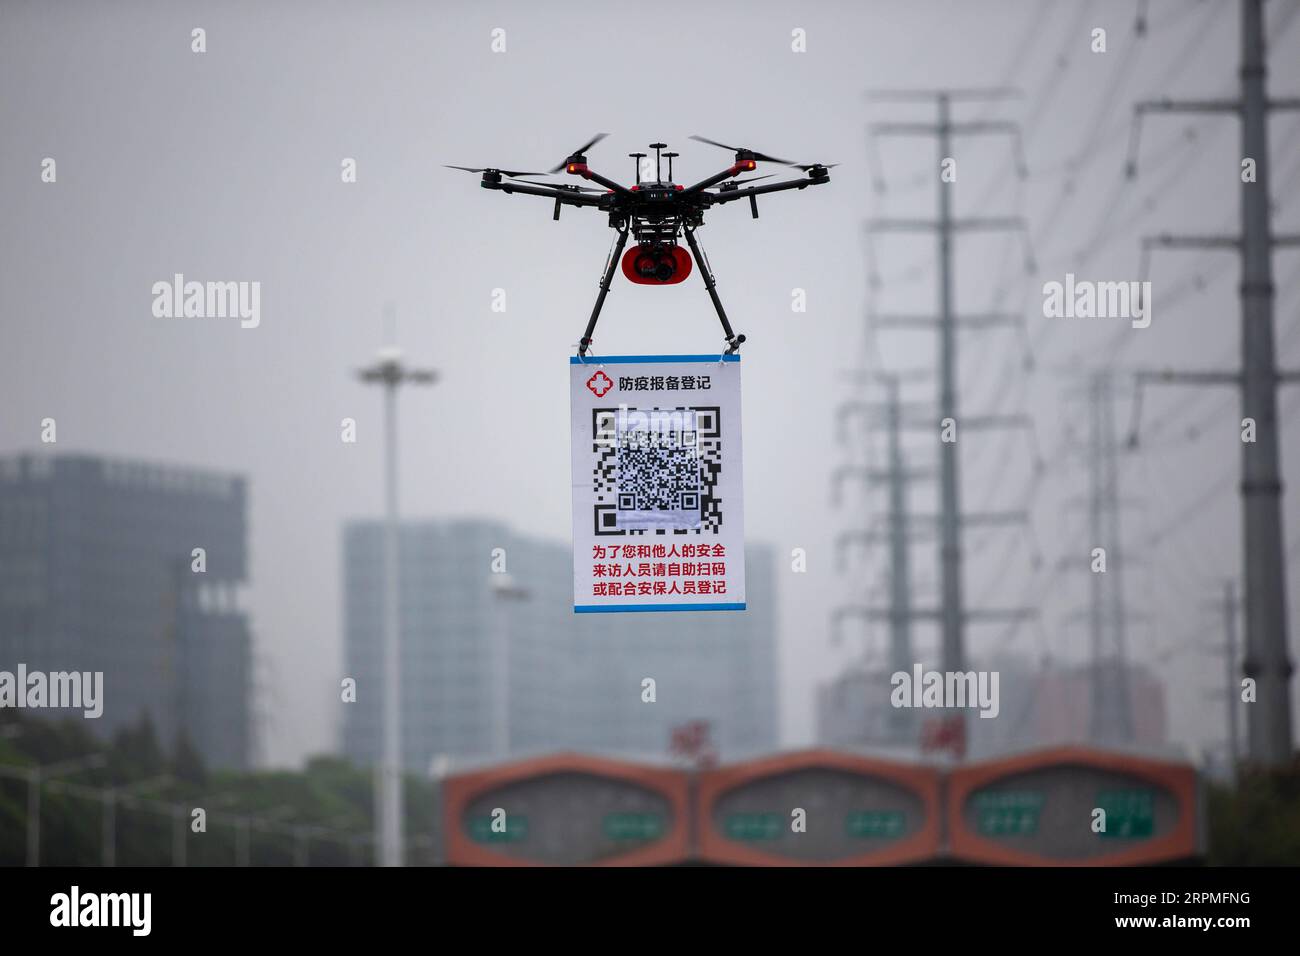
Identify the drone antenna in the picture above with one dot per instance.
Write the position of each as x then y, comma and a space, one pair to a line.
637, 157
656, 147
670, 157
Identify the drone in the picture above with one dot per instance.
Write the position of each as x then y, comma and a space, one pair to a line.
656, 213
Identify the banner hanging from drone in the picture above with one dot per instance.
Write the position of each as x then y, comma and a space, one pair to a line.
658, 515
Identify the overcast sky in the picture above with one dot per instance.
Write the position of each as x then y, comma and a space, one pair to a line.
226, 166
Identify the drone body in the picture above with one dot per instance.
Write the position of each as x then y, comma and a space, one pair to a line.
656, 213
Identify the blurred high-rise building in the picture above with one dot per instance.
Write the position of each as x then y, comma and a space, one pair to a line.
853, 711
717, 667
575, 681
98, 574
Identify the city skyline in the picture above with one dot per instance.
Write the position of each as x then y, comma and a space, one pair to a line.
131, 208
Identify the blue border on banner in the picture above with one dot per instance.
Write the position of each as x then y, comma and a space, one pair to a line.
602, 608
626, 359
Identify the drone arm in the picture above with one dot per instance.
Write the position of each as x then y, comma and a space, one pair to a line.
560, 195
733, 194
581, 169
742, 166
608, 183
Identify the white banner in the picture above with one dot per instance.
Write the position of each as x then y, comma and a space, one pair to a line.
658, 514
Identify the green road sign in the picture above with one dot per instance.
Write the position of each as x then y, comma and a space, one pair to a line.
753, 826
876, 824
516, 829
1008, 812
634, 826
1129, 813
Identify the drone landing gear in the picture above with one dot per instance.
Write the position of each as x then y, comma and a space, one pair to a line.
584, 343
734, 341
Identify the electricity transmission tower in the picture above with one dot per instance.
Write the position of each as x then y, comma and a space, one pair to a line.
951, 613
1111, 719
1228, 608
1267, 660
895, 477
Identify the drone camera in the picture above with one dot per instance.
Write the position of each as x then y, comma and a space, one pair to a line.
649, 265
656, 265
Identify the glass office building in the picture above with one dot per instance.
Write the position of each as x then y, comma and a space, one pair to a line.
574, 681
96, 574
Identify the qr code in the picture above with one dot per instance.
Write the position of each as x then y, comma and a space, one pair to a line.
656, 470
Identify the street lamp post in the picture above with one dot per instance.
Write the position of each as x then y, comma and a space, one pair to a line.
439, 768
390, 372
35, 776
503, 590
110, 797
243, 852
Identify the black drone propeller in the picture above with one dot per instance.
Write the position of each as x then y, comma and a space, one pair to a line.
580, 151
512, 173
743, 149
763, 157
